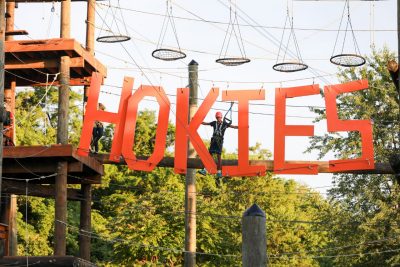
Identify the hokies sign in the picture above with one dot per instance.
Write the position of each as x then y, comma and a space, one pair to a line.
125, 123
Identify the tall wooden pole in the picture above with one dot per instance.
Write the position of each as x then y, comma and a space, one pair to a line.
10, 19
85, 222
86, 203
190, 189
91, 4
2, 65
62, 137
398, 49
254, 240
395, 157
398, 56
90, 32
12, 206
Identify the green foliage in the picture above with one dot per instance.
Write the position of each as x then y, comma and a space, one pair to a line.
144, 214
36, 123
367, 204
138, 217
145, 218
36, 117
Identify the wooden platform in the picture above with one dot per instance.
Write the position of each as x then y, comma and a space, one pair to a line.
45, 261
195, 163
16, 32
24, 162
28, 61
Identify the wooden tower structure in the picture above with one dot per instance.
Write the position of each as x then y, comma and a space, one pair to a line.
73, 64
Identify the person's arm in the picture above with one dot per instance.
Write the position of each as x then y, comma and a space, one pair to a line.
234, 126
206, 123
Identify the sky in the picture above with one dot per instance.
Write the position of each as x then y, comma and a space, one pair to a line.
200, 30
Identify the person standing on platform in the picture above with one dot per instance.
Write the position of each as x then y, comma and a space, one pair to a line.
217, 141
97, 133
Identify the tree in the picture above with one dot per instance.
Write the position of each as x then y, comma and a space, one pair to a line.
144, 213
368, 227
36, 120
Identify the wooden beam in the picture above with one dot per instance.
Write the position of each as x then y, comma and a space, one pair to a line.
72, 82
66, 46
38, 151
92, 163
55, 44
89, 57
45, 167
20, 161
16, 32
76, 62
323, 166
36, 190
44, 261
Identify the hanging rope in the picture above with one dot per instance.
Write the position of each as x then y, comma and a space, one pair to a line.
352, 59
295, 64
168, 54
233, 29
117, 37
229, 121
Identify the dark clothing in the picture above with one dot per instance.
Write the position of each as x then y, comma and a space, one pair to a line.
97, 134
217, 140
8, 129
9, 119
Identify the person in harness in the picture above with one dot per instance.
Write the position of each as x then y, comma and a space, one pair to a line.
97, 133
7, 131
217, 140
8, 125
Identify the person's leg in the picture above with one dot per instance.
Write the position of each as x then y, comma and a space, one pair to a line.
96, 144
92, 142
219, 162
204, 171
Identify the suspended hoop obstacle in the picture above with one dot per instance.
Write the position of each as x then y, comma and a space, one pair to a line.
168, 54
290, 66
296, 63
348, 60
113, 33
232, 61
113, 38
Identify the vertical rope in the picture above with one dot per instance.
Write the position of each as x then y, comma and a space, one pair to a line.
26, 223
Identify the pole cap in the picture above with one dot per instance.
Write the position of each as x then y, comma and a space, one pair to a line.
254, 210
193, 62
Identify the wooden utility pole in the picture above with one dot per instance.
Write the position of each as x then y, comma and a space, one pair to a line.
90, 31
91, 4
395, 158
62, 137
2, 65
85, 222
2, 110
190, 189
398, 49
86, 189
11, 213
254, 240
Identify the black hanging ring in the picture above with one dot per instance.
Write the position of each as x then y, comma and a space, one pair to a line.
290, 66
168, 54
348, 60
233, 61
113, 38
